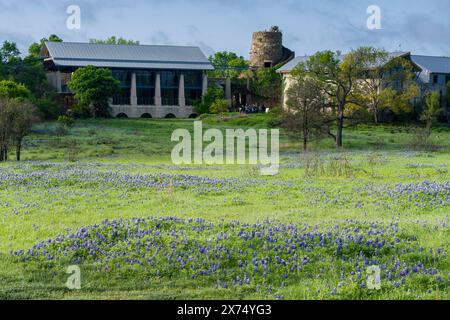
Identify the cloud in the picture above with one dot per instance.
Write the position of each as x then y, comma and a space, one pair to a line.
161, 37
207, 50
308, 26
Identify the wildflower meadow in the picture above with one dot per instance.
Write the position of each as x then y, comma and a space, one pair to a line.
107, 199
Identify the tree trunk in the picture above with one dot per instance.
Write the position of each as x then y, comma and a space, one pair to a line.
375, 116
18, 149
340, 127
5, 153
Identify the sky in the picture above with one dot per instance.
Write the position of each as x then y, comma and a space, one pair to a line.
419, 26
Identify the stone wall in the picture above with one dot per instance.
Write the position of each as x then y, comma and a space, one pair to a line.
267, 47
152, 111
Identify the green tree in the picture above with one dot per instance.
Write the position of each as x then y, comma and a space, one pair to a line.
30, 72
5, 128
432, 109
93, 87
385, 82
35, 48
9, 52
115, 40
266, 85
10, 90
227, 65
213, 95
338, 76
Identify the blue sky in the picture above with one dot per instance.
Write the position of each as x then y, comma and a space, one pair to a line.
420, 26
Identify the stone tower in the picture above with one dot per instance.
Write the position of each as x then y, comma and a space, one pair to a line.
267, 49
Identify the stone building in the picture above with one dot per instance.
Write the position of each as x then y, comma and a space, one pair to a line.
267, 49
156, 81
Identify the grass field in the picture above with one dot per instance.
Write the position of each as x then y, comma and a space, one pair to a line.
106, 197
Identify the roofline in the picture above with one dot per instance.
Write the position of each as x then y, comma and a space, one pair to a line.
402, 54
129, 61
424, 55
121, 45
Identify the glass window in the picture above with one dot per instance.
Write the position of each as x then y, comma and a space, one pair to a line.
435, 78
193, 79
123, 76
169, 97
145, 78
192, 96
169, 79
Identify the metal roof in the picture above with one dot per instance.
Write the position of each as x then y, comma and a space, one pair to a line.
288, 67
432, 64
127, 56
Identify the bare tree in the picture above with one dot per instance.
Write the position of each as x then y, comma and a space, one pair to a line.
16, 118
306, 114
24, 116
5, 128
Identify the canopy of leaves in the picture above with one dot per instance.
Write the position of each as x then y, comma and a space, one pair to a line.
219, 106
227, 65
213, 95
9, 52
266, 85
36, 47
432, 110
115, 40
93, 87
11, 90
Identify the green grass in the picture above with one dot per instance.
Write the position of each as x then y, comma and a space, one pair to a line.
82, 178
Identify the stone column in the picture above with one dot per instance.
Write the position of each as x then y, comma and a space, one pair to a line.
228, 91
181, 95
204, 84
158, 90
58, 81
133, 95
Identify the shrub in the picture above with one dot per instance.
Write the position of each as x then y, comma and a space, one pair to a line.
48, 109
219, 106
64, 125
204, 106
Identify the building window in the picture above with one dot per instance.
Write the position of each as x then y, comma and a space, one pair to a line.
170, 82
267, 64
169, 79
145, 78
145, 87
192, 96
169, 97
145, 96
193, 81
447, 79
435, 78
123, 76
